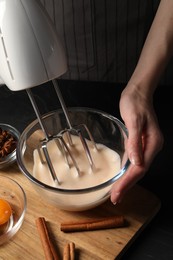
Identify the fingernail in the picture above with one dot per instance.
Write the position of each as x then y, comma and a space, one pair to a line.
116, 198
117, 202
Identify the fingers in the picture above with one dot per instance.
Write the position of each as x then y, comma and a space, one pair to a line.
136, 170
144, 141
128, 180
135, 148
151, 144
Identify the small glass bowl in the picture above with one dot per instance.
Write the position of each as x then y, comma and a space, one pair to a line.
105, 129
14, 194
10, 158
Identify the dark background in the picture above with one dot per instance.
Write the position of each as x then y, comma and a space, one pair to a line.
156, 241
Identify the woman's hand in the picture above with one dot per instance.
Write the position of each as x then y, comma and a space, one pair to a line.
145, 138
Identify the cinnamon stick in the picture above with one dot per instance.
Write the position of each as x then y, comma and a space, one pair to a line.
94, 224
72, 251
66, 252
48, 247
69, 251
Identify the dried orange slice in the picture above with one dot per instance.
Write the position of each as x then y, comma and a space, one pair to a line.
5, 211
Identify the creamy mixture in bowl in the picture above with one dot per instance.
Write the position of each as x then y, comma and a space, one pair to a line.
90, 187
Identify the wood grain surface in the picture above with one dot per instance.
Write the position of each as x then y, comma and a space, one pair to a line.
139, 207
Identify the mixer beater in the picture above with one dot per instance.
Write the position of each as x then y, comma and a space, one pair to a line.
63, 138
30, 55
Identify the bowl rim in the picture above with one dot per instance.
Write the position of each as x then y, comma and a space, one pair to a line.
19, 222
71, 191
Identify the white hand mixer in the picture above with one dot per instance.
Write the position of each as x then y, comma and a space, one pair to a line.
31, 54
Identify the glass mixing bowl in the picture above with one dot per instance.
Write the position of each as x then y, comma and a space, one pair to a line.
105, 129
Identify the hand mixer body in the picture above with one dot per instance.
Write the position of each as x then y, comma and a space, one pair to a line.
31, 54
30, 50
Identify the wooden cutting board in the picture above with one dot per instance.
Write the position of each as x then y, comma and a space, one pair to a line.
139, 207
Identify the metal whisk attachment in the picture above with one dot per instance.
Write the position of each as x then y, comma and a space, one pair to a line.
62, 137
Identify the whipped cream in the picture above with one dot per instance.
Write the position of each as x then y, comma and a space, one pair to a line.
106, 165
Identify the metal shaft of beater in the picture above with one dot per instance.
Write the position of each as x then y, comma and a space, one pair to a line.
43, 127
64, 108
